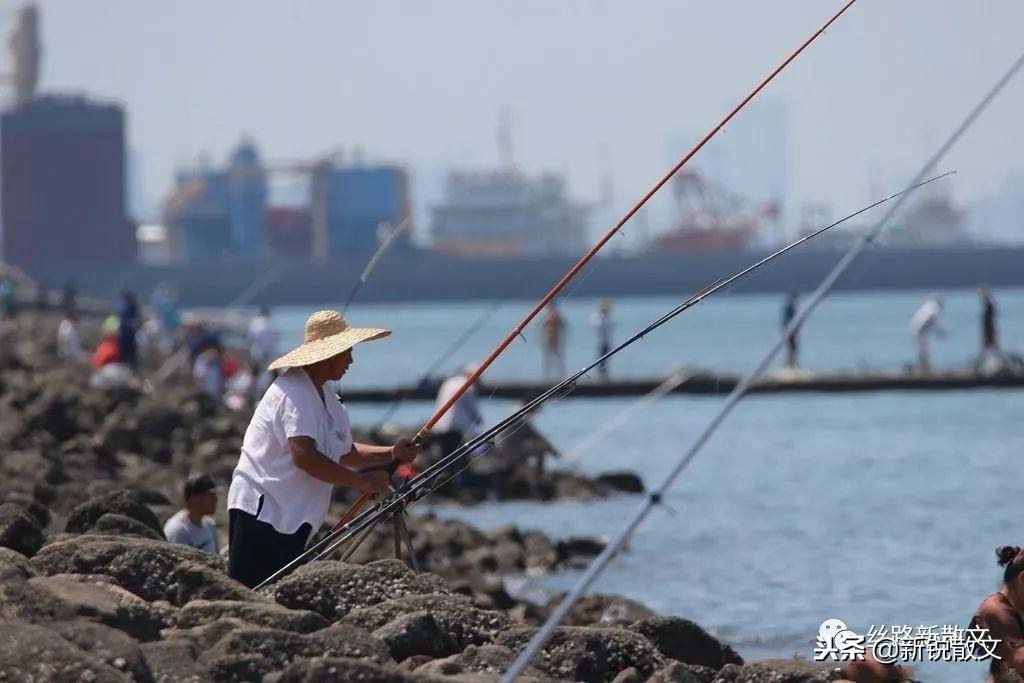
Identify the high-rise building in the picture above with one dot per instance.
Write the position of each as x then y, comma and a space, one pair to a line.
62, 184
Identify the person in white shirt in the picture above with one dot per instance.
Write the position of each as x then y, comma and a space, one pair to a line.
923, 324
297, 447
69, 345
601, 321
191, 525
460, 420
262, 338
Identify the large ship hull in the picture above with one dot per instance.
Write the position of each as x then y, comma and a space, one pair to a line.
433, 276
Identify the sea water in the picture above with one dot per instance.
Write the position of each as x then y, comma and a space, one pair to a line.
874, 508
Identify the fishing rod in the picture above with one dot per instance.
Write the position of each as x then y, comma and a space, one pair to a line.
567, 385
655, 497
674, 380
456, 344
518, 329
342, 532
372, 263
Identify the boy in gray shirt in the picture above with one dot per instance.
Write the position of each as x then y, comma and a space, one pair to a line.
191, 525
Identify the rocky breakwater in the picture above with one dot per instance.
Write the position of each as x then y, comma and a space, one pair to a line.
104, 607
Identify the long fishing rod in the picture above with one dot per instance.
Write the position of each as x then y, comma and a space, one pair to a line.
655, 497
518, 329
372, 263
350, 527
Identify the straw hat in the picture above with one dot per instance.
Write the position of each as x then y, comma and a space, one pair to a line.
327, 335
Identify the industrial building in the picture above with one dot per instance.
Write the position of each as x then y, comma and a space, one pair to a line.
62, 183
218, 214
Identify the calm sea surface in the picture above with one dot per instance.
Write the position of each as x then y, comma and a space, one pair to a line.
878, 508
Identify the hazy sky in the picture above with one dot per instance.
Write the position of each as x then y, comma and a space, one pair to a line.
595, 86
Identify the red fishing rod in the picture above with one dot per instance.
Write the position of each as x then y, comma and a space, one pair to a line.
518, 329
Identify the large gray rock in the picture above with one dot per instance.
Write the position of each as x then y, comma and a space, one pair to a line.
333, 589
343, 669
203, 637
776, 671
585, 653
145, 567
19, 530
490, 660
239, 668
280, 648
677, 672
603, 610
456, 615
268, 615
60, 598
29, 652
13, 564
416, 633
114, 647
173, 661
121, 502
684, 641
115, 524
199, 581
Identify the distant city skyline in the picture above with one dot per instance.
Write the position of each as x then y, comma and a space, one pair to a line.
596, 88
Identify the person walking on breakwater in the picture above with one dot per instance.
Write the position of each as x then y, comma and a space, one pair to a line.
554, 343
792, 343
924, 323
297, 447
989, 338
1002, 614
193, 525
601, 320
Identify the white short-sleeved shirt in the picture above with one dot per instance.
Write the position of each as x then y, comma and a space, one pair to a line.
180, 529
290, 407
462, 416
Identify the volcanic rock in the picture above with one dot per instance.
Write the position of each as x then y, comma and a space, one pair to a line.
19, 530
585, 653
122, 502
173, 661
114, 647
114, 524
32, 652
684, 641
268, 615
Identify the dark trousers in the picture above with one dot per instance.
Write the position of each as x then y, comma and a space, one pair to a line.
256, 549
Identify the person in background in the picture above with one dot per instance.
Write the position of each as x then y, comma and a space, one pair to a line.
601, 320
1002, 613
461, 419
10, 307
69, 296
127, 326
69, 345
208, 372
242, 387
792, 343
554, 343
107, 352
923, 324
168, 319
989, 337
262, 338
193, 525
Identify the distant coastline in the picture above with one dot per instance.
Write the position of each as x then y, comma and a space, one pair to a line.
412, 275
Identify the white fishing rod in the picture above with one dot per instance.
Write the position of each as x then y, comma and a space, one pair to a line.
599, 563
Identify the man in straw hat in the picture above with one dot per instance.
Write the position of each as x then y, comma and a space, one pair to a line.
296, 448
